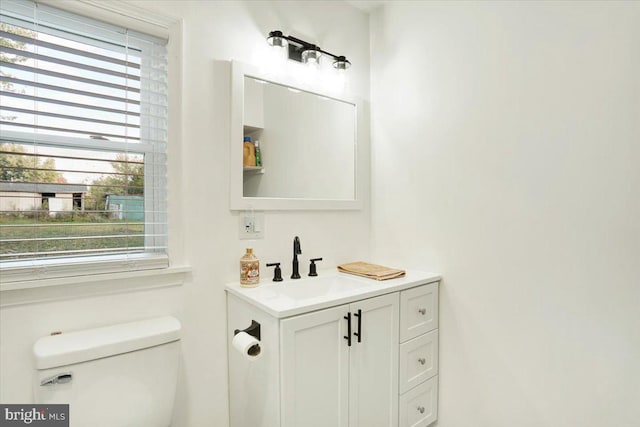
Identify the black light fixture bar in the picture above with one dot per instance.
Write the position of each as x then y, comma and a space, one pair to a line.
297, 47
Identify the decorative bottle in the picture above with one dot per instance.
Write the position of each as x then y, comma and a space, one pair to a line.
249, 269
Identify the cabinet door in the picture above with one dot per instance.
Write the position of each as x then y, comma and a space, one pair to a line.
374, 363
315, 369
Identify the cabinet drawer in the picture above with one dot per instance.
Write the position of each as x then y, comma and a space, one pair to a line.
418, 311
419, 406
418, 360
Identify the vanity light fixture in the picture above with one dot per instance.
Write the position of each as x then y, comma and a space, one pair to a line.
311, 55
341, 63
276, 39
305, 52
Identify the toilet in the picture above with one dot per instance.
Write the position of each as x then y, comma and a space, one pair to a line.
122, 375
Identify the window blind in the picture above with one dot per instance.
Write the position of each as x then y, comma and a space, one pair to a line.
83, 135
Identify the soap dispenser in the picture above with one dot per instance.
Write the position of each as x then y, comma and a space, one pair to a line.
249, 269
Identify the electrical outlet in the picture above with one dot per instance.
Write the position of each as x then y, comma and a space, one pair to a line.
251, 225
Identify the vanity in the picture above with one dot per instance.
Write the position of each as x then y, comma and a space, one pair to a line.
336, 350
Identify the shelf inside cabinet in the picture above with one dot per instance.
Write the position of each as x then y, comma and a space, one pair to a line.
253, 169
251, 129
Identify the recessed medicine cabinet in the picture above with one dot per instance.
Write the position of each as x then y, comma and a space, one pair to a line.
309, 155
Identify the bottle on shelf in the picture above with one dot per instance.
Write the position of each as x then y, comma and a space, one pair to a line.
248, 152
258, 153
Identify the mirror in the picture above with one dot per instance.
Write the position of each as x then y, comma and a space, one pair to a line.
291, 148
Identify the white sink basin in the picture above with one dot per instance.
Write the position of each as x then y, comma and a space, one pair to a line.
315, 287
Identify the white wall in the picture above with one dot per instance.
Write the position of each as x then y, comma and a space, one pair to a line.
214, 32
506, 145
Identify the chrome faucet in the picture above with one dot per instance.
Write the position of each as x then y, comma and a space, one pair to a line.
296, 251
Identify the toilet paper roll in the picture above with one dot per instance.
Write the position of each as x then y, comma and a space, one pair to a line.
247, 345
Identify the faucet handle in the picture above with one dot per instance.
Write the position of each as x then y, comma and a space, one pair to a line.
312, 266
277, 272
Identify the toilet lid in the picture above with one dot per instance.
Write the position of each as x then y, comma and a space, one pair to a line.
90, 344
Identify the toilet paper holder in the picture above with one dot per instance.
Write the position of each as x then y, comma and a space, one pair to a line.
253, 330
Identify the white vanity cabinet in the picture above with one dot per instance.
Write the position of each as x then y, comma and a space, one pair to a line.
362, 358
340, 365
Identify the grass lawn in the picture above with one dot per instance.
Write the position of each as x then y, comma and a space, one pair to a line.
76, 235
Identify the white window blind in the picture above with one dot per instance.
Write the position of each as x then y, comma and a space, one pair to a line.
83, 134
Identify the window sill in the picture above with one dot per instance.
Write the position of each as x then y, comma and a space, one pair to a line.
55, 289
37, 273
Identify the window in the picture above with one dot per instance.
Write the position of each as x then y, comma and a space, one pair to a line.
83, 135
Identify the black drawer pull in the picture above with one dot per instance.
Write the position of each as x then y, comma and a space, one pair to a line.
348, 336
359, 333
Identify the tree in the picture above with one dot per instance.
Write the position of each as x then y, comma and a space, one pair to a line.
6, 42
15, 166
131, 175
127, 179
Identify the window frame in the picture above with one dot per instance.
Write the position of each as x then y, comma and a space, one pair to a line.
25, 274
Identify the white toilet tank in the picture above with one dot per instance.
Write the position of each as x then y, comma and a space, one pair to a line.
114, 376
